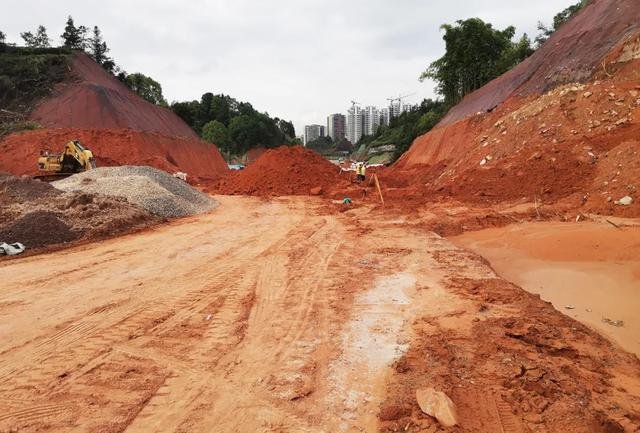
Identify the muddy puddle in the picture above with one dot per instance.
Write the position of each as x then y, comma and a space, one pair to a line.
589, 271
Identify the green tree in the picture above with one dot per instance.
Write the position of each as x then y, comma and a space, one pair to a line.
215, 132
286, 128
74, 37
246, 132
187, 111
475, 54
146, 87
3, 37
39, 40
98, 51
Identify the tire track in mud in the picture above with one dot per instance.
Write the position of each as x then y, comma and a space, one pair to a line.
86, 339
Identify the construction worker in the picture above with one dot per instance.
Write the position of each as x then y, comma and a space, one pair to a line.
361, 172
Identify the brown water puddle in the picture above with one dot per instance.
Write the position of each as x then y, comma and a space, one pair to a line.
589, 271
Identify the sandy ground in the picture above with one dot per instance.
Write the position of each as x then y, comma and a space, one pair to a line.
287, 316
589, 271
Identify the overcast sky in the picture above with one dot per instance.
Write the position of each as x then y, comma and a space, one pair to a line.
298, 60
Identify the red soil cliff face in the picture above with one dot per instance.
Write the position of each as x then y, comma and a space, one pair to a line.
93, 98
119, 127
19, 152
578, 141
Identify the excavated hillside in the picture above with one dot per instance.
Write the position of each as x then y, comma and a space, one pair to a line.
561, 127
119, 127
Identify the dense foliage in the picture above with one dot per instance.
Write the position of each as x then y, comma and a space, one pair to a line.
26, 75
146, 87
475, 54
233, 126
558, 20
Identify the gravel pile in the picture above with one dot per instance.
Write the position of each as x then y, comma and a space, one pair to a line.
154, 190
23, 189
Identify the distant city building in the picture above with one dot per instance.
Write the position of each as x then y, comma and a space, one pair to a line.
371, 120
385, 117
313, 132
336, 127
355, 123
407, 107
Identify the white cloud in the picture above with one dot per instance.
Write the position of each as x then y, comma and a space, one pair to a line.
298, 60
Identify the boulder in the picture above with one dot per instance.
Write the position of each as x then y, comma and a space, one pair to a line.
438, 405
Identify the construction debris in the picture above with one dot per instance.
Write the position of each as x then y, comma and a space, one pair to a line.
11, 249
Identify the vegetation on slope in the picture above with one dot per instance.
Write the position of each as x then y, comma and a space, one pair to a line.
234, 126
26, 76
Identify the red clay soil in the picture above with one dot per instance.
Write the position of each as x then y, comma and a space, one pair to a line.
576, 145
93, 98
19, 152
253, 154
283, 171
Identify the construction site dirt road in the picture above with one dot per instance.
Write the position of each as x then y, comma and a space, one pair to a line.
285, 315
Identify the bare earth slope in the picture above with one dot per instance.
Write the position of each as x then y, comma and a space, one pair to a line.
571, 54
293, 319
93, 98
115, 123
547, 142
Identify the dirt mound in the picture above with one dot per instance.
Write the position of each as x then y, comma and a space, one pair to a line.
37, 229
153, 190
93, 98
38, 215
19, 152
284, 171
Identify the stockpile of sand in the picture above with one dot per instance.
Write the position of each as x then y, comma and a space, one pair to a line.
38, 215
152, 190
284, 171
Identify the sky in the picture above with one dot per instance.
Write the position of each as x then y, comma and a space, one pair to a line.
299, 60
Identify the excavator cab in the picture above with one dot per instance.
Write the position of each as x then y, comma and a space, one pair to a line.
75, 159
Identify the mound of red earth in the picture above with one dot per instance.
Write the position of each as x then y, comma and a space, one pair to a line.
284, 171
19, 152
575, 144
38, 215
119, 127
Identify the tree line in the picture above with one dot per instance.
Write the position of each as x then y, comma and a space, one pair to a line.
234, 126
91, 42
476, 53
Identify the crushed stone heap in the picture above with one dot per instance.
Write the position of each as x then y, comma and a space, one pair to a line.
151, 189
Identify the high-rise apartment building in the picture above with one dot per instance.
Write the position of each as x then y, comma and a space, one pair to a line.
385, 117
371, 120
354, 124
313, 132
336, 127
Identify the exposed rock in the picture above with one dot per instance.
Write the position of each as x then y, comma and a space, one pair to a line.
316, 191
624, 201
438, 405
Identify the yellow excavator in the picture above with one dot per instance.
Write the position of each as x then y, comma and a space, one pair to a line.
74, 159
